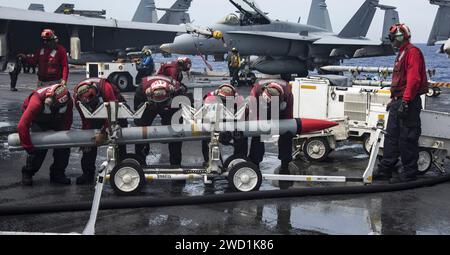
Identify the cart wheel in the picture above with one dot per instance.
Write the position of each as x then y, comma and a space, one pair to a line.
425, 161
437, 91
234, 160
133, 159
244, 177
127, 179
366, 144
316, 149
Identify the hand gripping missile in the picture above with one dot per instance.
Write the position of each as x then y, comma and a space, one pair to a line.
193, 131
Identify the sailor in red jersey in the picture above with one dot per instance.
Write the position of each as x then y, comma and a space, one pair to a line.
409, 82
176, 68
46, 109
227, 94
158, 92
92, 93
52, 60
267, 92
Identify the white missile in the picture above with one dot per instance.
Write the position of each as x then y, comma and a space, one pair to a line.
358, 69
162, 134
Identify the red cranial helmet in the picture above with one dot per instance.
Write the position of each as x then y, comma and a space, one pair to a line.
86, 91
48, 34
273, 89
399, 32
225, 91
57, 96
159, 91
185, 62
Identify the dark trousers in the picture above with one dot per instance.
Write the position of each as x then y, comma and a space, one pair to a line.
14, 76
37, 157
234, 74
257, 150
166, 113
240, 148
402, 139
90, 154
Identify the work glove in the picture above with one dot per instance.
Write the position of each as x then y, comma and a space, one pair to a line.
403, 110
99, 139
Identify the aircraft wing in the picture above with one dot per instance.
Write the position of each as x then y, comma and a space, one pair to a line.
334, 40
276, 35
95, 35
14, 14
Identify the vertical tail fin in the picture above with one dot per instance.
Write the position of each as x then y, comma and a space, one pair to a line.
319, 16
36, 7
360, 23
146, 12
390, 17
177, 14
441, 28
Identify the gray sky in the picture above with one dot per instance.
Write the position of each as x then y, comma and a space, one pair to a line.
418, 14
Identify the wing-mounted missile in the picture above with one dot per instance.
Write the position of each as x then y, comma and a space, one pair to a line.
208, 32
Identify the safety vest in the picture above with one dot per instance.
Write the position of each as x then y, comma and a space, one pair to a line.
235, 61
399, 77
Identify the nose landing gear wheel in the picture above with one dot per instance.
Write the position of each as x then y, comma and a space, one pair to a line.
127, 179
244, 177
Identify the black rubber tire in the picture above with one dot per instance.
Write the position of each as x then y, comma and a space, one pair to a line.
321, 140
138, 188
227, 162
428, 167
134, 159
124, 82
235, 169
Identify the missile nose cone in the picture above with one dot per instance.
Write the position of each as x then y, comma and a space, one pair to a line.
313, 125
167, 47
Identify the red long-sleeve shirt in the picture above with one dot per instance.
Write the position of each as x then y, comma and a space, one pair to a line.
108, 95
53, 64
34, 113
172, 70
411, 59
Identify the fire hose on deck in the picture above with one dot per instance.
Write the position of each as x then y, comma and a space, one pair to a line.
136, 203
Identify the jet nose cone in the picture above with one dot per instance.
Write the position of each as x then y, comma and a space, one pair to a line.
167, 47
313, 125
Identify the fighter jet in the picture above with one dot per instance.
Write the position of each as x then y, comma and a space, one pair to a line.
287, 47
20, 30
440, 33
175, 15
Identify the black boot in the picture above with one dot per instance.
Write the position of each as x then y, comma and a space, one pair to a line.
86, 179
60, 179
27, 180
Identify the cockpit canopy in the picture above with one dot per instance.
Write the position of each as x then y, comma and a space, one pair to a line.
231, 19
